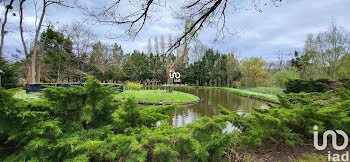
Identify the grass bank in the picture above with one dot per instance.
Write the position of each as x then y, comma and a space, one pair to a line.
268, 90
158, 96
268, 94
256, 95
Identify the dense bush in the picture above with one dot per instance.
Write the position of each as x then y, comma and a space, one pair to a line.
302, 85
345, 83
292, 121
10, 78
83, 124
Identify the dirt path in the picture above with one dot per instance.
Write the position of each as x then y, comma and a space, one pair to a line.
281, 152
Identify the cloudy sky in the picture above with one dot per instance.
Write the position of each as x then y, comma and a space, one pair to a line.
259, 34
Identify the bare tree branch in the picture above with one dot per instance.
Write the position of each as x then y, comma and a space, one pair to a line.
136, 17
8, 8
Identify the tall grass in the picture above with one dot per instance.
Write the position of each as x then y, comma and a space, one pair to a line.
133, 86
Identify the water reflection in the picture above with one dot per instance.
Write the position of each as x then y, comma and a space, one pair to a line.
210, 97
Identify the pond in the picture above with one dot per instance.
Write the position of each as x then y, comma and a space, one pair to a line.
211, 97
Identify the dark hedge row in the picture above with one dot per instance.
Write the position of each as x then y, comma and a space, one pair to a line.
310, 85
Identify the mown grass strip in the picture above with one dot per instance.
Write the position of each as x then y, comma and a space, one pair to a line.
268, 90
251, 94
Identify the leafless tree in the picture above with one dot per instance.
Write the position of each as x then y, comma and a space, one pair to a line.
162, 44
82, 38
198, 50
3, 23
170, 42
31, 62
149, 46
156, 45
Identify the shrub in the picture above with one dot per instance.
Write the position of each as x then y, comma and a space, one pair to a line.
345, 83
43, 130
83, 124
10, 78
302, 85
293, 120
133, 86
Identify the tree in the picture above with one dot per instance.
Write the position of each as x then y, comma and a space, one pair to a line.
31, 56
162, 45
196, 14
137, 67
170, 43
184, 52
149, 46
343, 70
253, 72
198, 51
326, 50
302, 64
58, 55
156, 45
281, 77
118, 59
208, 63
3, 24
232, 69
82, 39
99, 60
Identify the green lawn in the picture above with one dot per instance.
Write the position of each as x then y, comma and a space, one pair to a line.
21, 94
150, 96
157, 96
252, 94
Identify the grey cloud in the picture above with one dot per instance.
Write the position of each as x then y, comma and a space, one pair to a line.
260, 34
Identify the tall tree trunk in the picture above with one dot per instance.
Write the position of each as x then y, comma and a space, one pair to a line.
32, 57
38, 72
28, 72
8, 7
37, 32
58, 72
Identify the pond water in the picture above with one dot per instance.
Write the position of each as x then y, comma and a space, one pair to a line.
211, 97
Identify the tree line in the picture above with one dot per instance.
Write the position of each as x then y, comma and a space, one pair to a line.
140, 14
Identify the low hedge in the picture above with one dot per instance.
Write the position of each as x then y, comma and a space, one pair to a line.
310, 85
